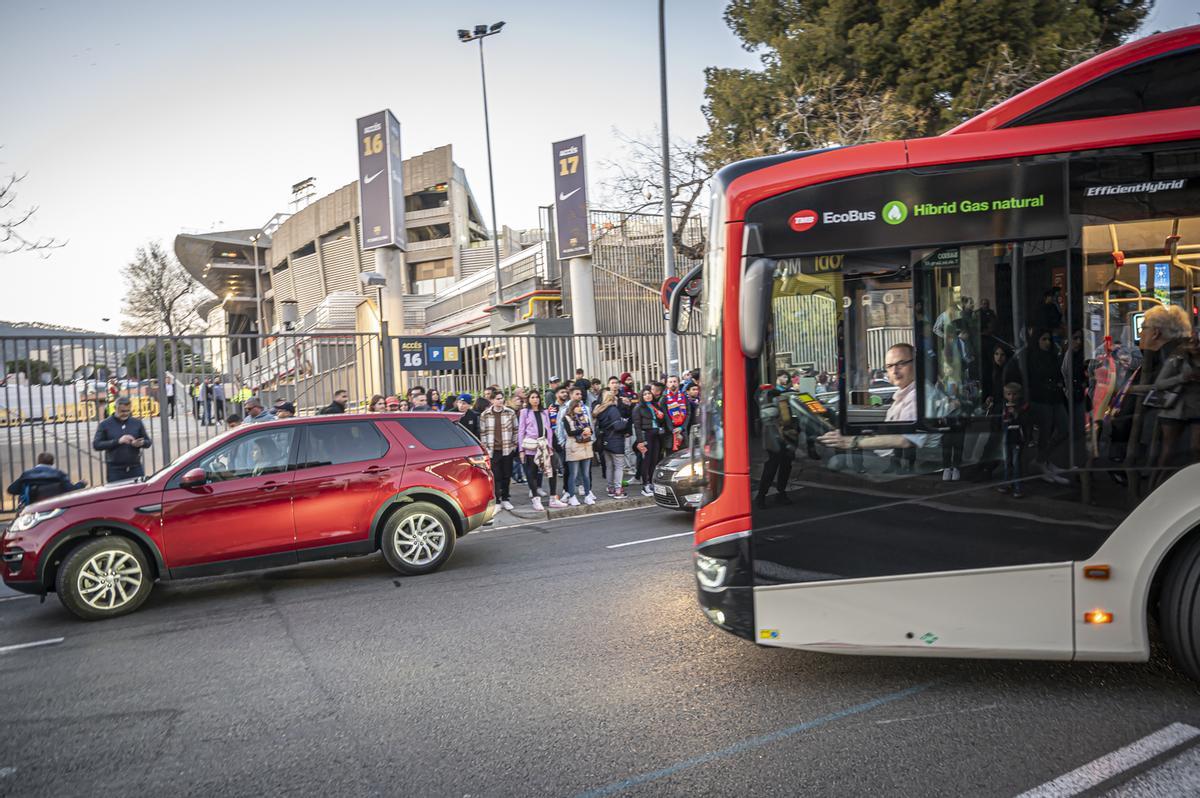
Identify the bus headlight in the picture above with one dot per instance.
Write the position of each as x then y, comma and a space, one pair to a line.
710, 572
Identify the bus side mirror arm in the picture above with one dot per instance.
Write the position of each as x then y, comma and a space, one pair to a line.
755, 305
679, 318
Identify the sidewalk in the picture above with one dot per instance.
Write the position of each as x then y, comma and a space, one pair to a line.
523, 511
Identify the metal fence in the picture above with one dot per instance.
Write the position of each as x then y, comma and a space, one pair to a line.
627, 267
55, 391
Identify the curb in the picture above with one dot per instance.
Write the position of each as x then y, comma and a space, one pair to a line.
601, 507
528, 514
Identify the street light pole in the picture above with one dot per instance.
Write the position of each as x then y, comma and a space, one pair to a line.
668, 236
481, 32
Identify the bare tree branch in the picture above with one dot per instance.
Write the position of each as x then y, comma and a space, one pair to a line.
161, 296
12, 239
636, 185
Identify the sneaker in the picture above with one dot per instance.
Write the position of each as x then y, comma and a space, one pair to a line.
555, 504
506, 504
589, 499
610, 491
620, 493
647, 490
947, 474
573, 501
955, 474
542, 492
537, 504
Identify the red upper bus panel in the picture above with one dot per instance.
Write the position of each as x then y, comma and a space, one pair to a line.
1079, 75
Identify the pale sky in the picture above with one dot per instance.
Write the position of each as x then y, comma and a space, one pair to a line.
136, 120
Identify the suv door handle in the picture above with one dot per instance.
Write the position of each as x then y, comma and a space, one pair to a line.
376, 469
268, 487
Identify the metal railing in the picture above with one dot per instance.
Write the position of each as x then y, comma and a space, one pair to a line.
55, 391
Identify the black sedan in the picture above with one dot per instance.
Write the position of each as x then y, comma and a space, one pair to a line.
679, 481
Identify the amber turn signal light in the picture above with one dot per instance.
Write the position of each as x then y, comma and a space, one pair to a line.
1097, 616
1096, 571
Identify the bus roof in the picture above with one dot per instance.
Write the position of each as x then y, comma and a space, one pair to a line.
1080, 75
982, 138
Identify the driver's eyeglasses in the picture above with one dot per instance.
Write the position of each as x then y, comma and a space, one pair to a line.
897, 364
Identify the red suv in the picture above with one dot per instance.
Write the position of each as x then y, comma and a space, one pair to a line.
263, 495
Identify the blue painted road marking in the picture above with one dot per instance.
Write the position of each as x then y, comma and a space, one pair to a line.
753, 742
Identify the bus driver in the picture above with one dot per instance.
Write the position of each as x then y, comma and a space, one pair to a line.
875, 454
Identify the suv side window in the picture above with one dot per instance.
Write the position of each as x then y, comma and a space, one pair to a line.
343, 442
264, 452
438, 433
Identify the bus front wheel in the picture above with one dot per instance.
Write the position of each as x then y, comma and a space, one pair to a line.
1179, 606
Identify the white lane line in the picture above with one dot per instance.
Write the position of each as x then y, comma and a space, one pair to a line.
5, 772
648, 540
1104, 768
1177, 776
51, 642
14, 598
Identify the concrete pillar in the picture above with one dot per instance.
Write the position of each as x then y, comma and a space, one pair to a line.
390, 263
583, 295
583, 314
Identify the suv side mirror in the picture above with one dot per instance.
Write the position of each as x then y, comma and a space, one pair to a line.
755, 304
194, 478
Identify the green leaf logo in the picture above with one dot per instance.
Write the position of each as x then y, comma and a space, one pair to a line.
895, 212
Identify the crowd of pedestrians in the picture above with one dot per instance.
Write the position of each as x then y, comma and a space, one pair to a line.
550, 439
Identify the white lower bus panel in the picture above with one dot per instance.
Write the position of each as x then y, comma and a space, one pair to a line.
1134, 553
1023, 612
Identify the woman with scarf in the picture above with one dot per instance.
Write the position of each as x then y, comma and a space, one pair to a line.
579, 436
649, 426
533, 431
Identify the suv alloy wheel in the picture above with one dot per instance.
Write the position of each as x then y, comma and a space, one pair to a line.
418, 539
103, 577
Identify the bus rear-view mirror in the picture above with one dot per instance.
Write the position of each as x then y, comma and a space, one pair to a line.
757, 282
683, 298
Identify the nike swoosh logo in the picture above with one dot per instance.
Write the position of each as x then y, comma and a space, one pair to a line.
565, 197
369, 178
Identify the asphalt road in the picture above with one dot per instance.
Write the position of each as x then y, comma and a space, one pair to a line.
540, 662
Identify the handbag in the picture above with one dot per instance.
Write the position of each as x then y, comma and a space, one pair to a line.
1161, 399
531, 443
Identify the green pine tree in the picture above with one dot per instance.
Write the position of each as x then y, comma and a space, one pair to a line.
847, 71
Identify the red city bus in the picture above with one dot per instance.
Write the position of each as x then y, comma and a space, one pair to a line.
957, 412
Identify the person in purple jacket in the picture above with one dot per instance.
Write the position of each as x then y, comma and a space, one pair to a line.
534, 436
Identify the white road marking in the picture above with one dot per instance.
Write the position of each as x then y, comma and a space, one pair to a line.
6, 772
1105, 767
15, 598
1177, 776
51, 642
648, 540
